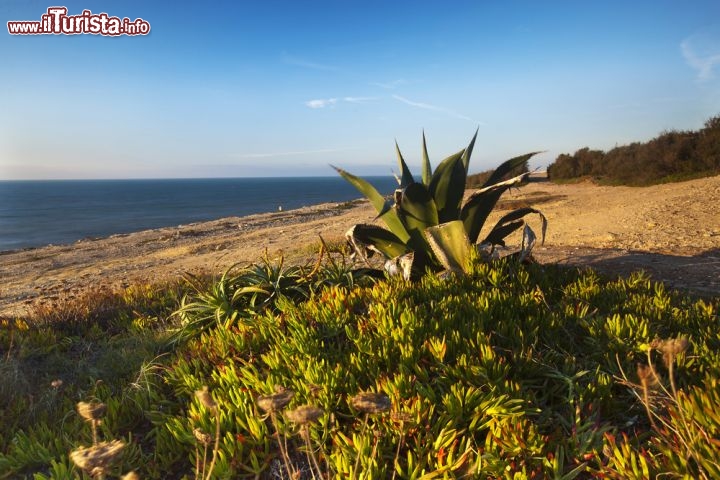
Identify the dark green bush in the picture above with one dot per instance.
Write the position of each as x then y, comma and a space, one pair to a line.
671, 156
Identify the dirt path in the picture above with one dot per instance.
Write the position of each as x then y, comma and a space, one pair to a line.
672, 231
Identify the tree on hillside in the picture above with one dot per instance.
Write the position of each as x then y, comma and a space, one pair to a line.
672, 155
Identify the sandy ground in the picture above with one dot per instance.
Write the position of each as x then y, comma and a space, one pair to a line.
671, 231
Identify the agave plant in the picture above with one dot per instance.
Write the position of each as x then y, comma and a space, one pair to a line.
429, 227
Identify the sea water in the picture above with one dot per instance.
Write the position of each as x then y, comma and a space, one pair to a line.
38, 213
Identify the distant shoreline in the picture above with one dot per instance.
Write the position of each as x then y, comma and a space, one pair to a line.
40, 213
668, 230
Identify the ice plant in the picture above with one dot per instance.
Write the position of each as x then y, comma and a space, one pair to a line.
369, 403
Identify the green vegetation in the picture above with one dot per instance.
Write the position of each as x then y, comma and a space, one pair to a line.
430, 228
510, 371
671, 156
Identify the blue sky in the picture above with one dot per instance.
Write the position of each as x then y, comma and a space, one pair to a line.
286, 88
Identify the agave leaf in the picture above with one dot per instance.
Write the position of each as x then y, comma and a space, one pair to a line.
506, 167
388, 215
522, 212
450, 244
528, 242
478, 207
401, 265
511, 182
499, 232
407, 177
411, 265
511, 222
417, 207
468, 152
366, 239
447, 187
426, 168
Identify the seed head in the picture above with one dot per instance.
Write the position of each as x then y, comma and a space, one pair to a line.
314, 390
205, 398
674, 346
671, 348
56, 383
276, 401
371, 402
647, 376
202, 437
304, 414
98, 457
91, 411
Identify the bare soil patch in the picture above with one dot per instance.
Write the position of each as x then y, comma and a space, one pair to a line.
671, 231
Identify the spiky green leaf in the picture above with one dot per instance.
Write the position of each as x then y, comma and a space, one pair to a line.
499, 232
426, 168
387, 214
364, 237
417, 208
450, 245
468, 152
406, 177
447, 187
507, 167
476, 210
511, 222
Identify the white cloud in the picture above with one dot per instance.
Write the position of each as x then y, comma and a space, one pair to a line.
291, 153
435, 108
701, 55
390, 85
331, 102
359, 99
321, 103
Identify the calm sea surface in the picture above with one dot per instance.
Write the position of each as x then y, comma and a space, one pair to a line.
37, 213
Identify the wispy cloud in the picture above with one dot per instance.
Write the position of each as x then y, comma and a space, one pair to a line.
434, 108
304, 63
291, 153
390, 85
331, 102
359, 99
321, 102
701, 55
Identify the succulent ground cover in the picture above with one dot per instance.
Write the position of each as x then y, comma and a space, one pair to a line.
497, 368
509, 371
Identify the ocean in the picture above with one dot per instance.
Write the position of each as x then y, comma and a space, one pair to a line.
38, 213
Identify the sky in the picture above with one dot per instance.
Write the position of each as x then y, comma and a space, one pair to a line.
272, 88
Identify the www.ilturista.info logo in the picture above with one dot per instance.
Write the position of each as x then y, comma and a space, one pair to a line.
57, 22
